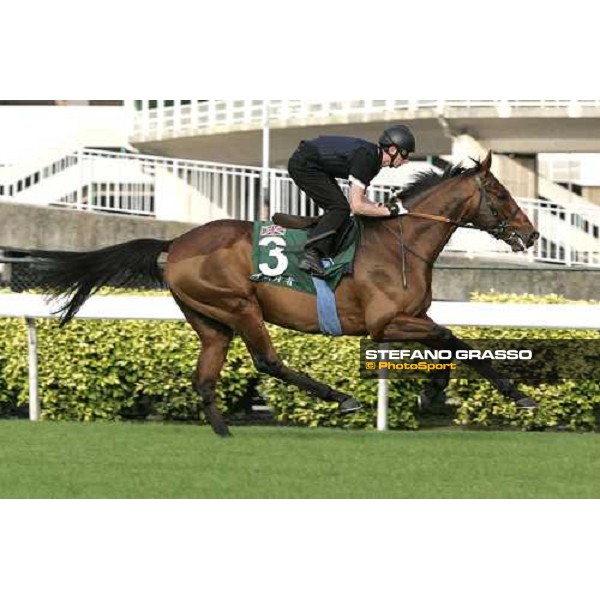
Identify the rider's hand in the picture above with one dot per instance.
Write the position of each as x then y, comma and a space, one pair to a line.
397, 209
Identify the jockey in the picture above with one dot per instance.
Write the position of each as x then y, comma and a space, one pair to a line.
317, 163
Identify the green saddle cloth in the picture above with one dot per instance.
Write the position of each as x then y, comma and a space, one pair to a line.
276, 252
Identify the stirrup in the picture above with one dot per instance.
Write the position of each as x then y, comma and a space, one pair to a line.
311, 263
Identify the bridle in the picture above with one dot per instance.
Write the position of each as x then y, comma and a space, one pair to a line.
484, 204
501, 226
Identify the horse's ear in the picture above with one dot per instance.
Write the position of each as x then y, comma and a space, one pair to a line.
486, 165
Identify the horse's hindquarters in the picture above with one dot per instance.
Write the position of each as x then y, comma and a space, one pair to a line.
208, 269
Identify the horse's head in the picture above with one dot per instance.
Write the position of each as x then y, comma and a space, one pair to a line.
498, 214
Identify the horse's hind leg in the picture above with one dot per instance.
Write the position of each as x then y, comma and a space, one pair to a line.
215, 339
256, 337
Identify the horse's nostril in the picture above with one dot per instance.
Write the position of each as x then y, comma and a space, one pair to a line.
533, 238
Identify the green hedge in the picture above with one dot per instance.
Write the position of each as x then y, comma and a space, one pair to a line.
112, 370
572, 404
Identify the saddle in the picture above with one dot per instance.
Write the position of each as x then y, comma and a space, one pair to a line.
294, 221
297, 222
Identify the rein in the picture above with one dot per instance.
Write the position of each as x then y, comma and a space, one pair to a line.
496, 232
436, 218
442, 219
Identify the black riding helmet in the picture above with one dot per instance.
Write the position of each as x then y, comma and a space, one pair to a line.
399, 136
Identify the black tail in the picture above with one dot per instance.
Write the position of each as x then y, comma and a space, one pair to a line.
75, 276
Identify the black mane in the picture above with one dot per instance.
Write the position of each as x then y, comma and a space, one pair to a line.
425, 180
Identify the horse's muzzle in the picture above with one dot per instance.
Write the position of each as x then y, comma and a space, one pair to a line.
533, 238
520, 241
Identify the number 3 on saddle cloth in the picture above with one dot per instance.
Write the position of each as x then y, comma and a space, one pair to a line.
277, 248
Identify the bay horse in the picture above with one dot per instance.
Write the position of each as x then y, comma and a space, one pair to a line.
386, 297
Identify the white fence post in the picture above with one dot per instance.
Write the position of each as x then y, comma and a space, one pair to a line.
382, 397
382, 404
34, 399
569, 238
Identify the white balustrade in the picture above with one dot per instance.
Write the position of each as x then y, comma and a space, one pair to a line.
198, 115
198, 191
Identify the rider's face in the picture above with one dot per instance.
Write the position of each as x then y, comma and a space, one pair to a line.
398, 157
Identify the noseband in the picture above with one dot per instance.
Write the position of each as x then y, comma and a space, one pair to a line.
485, 203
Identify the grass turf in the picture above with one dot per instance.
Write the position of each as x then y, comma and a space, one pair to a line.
120, 460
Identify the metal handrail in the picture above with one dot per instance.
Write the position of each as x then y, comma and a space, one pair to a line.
200, 191
202, 116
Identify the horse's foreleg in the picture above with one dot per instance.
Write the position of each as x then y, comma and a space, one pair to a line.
427, 332
257, 339
484, 368
406, 328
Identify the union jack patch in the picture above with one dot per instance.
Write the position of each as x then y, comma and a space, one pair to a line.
272, 230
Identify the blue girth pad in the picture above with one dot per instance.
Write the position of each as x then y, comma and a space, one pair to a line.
329, 322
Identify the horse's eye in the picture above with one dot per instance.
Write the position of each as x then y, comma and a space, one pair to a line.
502, 197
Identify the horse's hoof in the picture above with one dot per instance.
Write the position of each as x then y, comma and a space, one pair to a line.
526, 403
423, 401
427, 401
221, 429
349, 406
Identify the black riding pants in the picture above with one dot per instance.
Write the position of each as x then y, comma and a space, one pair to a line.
325, 192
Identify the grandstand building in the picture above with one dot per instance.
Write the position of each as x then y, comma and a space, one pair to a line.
83, 174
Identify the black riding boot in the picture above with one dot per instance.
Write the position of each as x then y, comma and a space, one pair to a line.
311, 262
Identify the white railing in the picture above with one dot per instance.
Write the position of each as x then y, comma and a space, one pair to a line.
160, 119
286, 197
197, 192
168, 189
